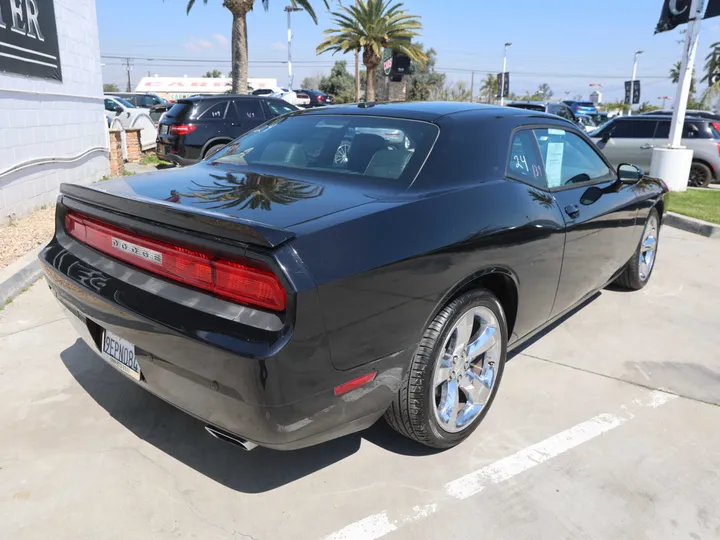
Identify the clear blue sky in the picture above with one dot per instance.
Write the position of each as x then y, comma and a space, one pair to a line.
565, 43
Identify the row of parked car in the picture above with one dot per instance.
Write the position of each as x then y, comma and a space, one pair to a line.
197, 127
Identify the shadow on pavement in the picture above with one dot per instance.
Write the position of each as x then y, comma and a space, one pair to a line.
184, 438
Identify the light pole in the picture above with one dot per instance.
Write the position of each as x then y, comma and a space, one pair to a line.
632, 83
289, 10
502, 76
664, 98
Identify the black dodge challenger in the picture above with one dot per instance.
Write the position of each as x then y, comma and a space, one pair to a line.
287, 293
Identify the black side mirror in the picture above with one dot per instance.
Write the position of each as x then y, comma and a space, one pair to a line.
605, 137
629, 174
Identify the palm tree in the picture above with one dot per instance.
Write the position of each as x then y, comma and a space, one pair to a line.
489, 87
712, 62
239, 10
371, 26
251, 191
675, 76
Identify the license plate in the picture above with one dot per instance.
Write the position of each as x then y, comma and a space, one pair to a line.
121, 354
163, 129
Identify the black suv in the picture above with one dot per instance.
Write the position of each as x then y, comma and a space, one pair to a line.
558, 109
197, 127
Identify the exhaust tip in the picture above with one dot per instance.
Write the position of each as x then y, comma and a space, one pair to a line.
223, 435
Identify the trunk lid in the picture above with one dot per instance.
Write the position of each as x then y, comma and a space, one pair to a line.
245, 206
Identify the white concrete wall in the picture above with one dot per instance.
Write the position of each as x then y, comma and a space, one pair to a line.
49, 119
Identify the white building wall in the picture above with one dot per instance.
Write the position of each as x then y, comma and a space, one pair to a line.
43, 119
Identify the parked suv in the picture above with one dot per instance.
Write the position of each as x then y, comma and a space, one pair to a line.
156, 105
630, 139
318, 98
558, 109
197, 127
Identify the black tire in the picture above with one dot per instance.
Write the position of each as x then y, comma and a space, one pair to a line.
411, 412
700, 175
214, 149
631, 277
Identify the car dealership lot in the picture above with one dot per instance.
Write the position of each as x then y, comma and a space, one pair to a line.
581, 442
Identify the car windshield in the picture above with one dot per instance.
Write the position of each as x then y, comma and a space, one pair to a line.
125, 103
338, 146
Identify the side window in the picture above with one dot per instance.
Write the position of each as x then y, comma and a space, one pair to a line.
146, 101
662, 131
248, 109
215, 112
278, 107
110, 105
633, 129
525, 162
564, 112
568, 159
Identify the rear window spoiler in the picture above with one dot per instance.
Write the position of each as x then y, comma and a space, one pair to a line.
181, 217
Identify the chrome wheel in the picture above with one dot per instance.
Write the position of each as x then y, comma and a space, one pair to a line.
648, 247
341, 154
465, 371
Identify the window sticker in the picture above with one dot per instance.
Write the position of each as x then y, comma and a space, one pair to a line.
553, 163
556, 132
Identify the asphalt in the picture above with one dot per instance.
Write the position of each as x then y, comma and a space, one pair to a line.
606, 426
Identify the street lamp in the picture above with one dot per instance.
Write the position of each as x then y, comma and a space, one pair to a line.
289, 10
502, 76
632, 83
664, 98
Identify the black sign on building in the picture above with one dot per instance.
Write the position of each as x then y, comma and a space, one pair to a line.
28, 39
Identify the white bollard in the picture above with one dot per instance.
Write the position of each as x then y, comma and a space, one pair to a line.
672, 165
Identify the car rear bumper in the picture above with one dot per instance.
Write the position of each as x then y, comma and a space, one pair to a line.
277, 402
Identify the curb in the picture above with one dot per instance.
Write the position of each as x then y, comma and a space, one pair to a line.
697, 226
19, 275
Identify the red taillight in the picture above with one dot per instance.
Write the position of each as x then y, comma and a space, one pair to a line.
718, 148
321, 98
242, 283
716, 125
183, 129
355, 383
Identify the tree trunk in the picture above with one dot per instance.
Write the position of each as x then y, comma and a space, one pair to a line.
370, 84
357, 76
239, 52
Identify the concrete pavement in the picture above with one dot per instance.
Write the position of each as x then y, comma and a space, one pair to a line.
586, 439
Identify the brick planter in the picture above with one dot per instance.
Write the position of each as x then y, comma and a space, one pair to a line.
117, 165
132, 138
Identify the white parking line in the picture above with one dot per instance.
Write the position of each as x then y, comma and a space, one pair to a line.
378, 525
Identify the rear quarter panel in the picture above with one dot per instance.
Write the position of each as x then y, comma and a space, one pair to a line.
385, 269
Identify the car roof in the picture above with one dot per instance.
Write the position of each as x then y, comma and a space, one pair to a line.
419, 110
211, 97
658, 117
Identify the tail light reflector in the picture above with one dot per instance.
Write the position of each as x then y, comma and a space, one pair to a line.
355, 383
183, 129
244, 283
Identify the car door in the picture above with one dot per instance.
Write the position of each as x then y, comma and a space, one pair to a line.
244, 115
599, 213
630, 141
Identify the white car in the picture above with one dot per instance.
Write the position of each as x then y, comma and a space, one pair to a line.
279, 92
126, 112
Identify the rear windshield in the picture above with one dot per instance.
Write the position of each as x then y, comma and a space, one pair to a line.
178, 109
386, 149
585, 104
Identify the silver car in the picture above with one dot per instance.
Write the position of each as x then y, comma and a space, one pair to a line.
630, 139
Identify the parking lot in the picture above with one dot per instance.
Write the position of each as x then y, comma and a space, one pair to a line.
605, 427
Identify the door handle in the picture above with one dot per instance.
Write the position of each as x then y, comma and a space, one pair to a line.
572, 211
647, 147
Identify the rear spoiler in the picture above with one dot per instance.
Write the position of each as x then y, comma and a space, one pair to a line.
181, 217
